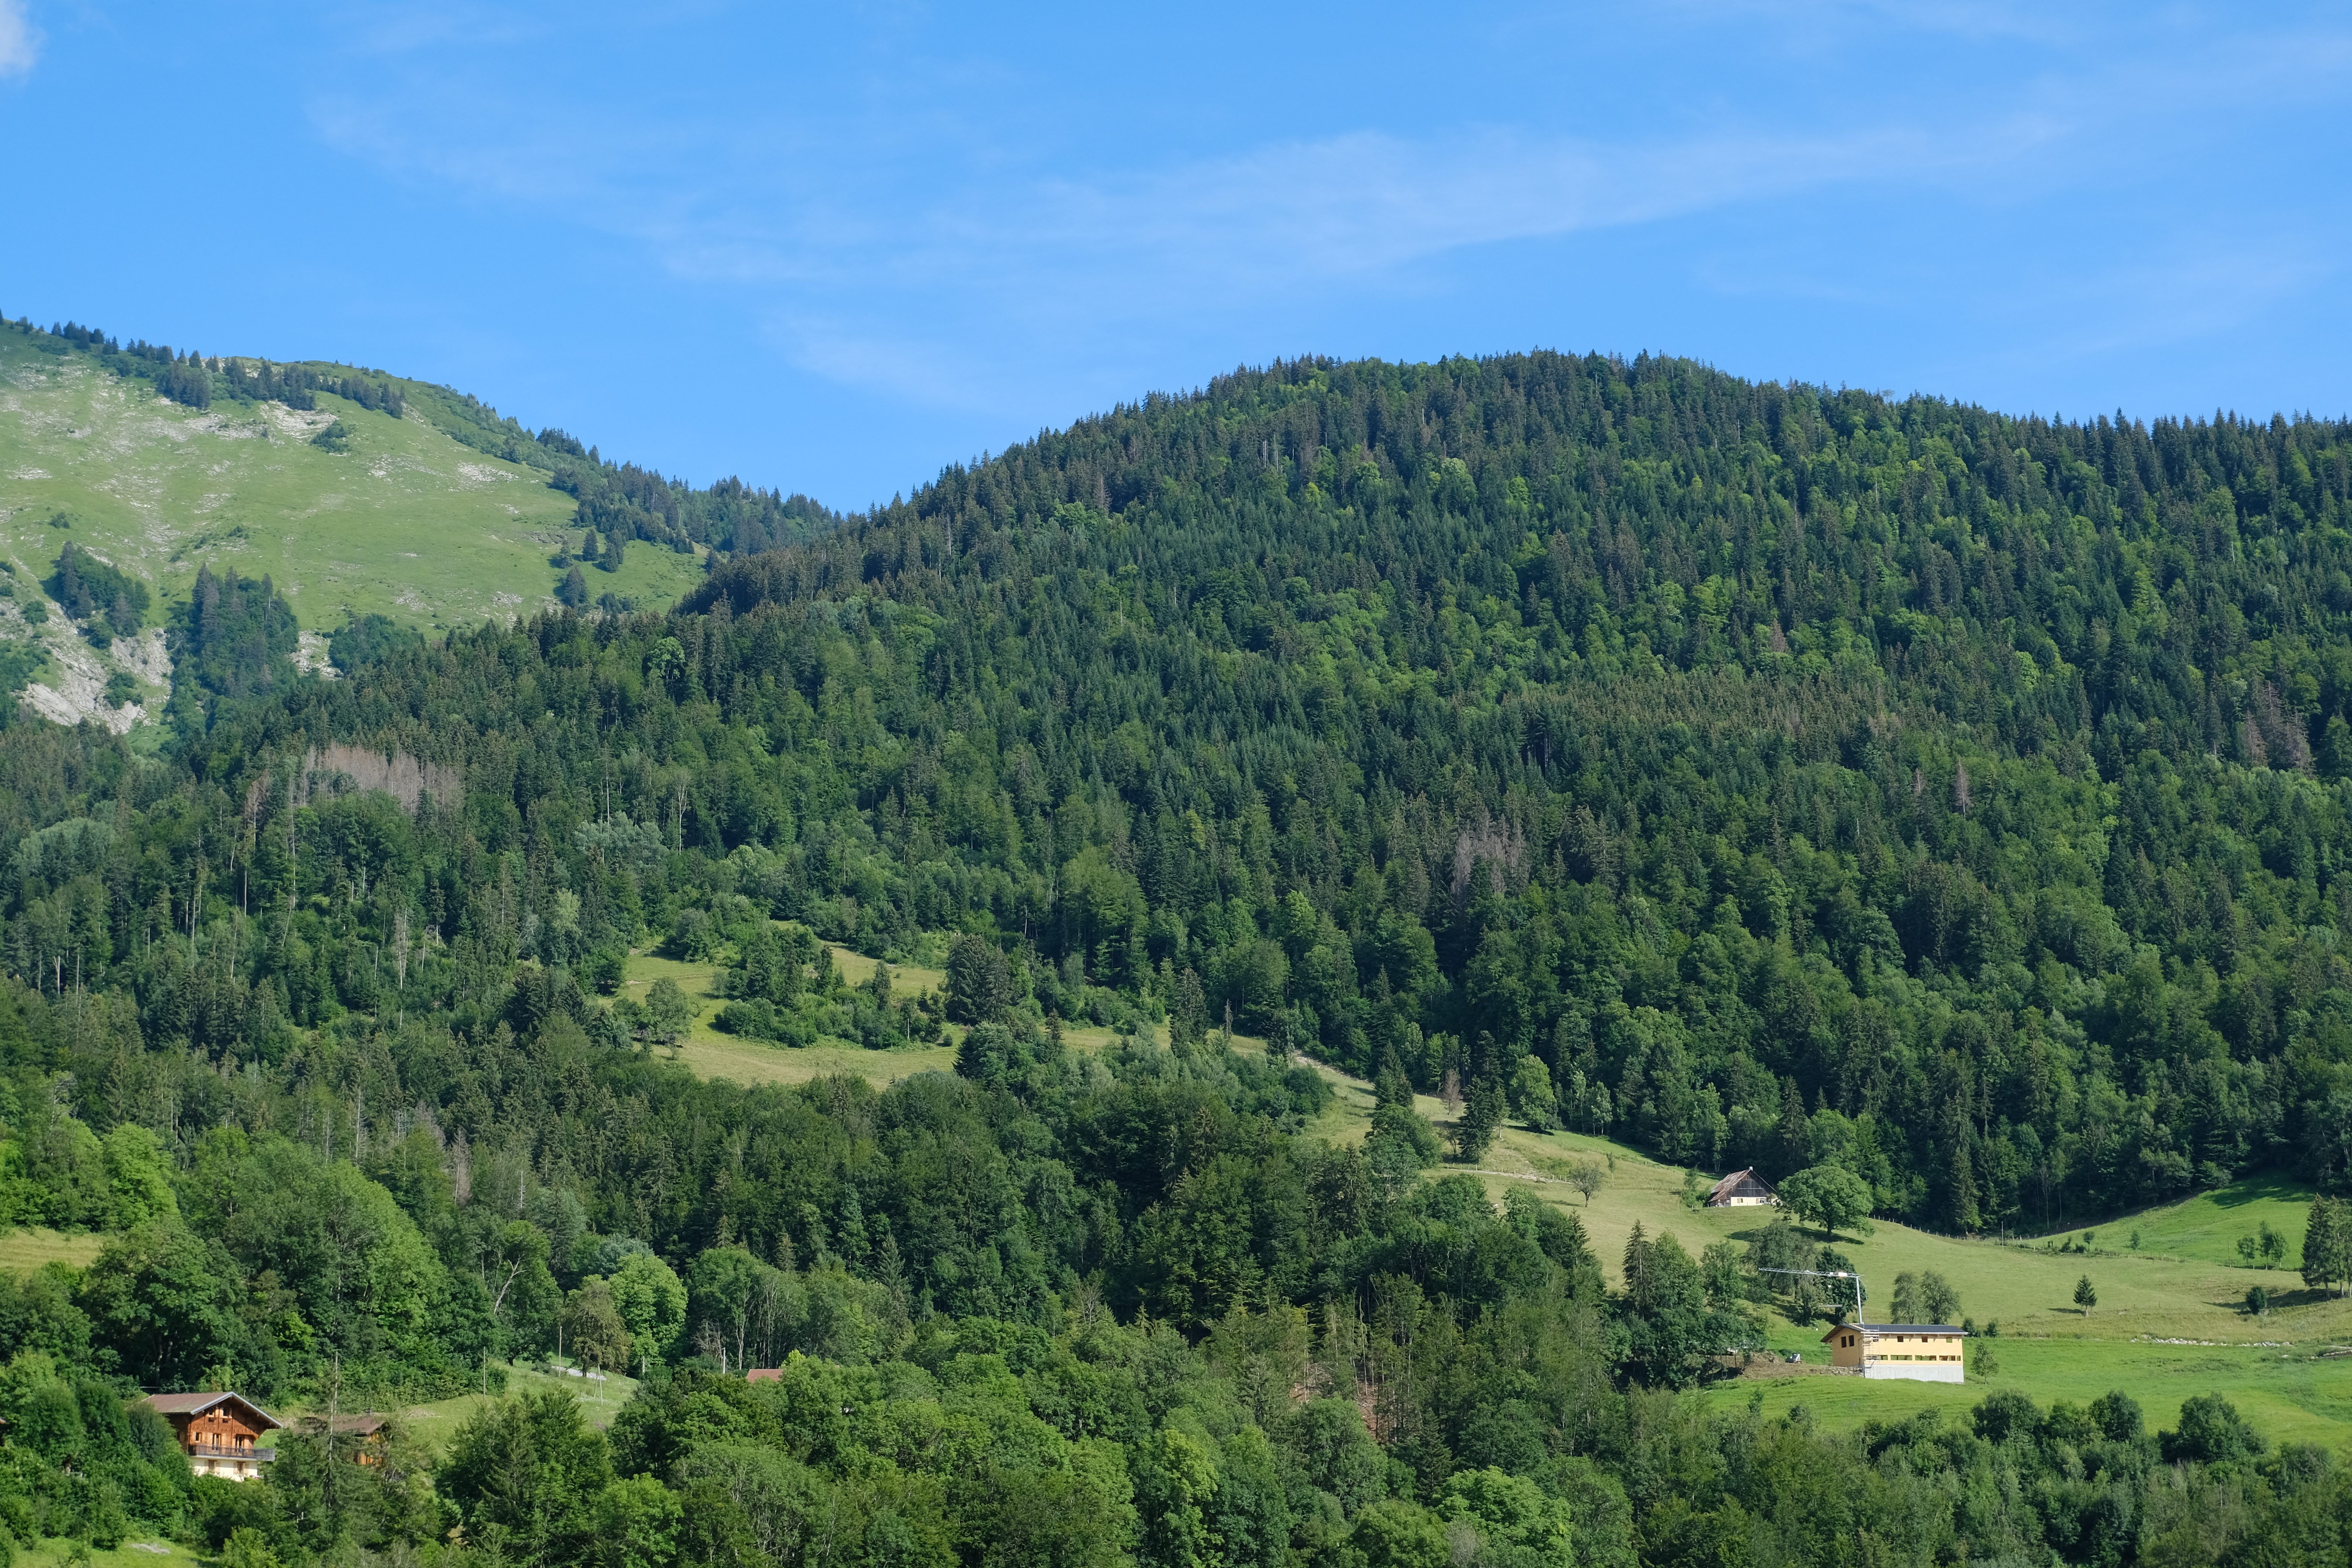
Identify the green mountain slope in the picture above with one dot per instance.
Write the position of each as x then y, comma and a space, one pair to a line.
1626, 763
405, 522
1768, 775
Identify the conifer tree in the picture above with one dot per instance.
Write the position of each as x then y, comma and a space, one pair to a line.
1474, 1131
2327, 1245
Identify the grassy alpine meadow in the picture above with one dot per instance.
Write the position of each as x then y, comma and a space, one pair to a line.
405, 522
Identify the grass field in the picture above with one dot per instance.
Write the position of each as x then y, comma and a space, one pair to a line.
2208, 1225
437, 1421
22, 1251
2029, 1290
407, 524
145, 1551
713, 1055
2048, 1348
2287, 1395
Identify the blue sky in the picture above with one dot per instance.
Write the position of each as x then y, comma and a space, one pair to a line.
832, 250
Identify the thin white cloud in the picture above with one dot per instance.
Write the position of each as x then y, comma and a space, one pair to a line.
905, 243
20, 41
1296, 213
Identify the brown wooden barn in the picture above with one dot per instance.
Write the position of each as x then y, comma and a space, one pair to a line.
1741, 1189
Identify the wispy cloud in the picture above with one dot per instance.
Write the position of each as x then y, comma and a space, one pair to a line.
20, 41
914, 238
1368, 204
761, 206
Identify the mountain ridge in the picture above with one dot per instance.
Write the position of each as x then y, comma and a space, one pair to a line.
371, 494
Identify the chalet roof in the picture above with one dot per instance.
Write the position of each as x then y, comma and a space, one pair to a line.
365, 1425
197, 1403
1739, 1184
1872, 1330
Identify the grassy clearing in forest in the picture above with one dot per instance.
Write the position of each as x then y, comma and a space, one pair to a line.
708, 1053
2208, 1225
437, 1421
136, 1551
22, 1251
905, 979
757, 1061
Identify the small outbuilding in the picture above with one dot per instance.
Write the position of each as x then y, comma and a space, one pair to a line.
369, 1430
1741, 1189
218, 1432
1923, 1352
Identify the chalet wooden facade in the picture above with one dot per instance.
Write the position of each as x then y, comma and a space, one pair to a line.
1922, 1353
1741, 1189
220, 1433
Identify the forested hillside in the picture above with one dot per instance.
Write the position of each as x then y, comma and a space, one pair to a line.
1760, 774
1798, 778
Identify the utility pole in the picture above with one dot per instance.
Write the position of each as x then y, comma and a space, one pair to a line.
1827, 1274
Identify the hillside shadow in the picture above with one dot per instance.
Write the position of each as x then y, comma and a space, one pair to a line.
2268, 1188
2281, 1300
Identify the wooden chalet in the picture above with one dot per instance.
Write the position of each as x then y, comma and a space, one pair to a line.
220, 1433
1741, 1189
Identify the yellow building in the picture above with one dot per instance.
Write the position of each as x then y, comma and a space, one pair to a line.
1926, 1353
